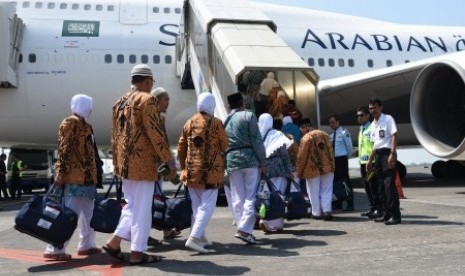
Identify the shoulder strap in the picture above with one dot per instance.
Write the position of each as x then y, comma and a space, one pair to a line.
228, 119
266, 134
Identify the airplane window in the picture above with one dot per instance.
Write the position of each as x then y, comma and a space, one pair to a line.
407, 61
63, 6
38, 5
156, 59
144, 58
388, 63
351, 62
341, 62
26, 4
32, 58
87, 7
99, 8
321, 62
107, 58
75, 6
166, 10
132, 59
20, 58
370, 63
311, 62
177, 10
168, 59
111, 8
120, 58
156, 10
331, 62
51, 6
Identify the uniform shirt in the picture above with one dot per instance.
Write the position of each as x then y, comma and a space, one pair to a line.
343, 144
382, 131
365, 144
246, 148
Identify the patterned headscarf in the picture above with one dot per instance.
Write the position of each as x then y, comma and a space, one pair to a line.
81, 105
206, 103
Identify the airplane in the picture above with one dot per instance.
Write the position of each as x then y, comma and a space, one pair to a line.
60, 48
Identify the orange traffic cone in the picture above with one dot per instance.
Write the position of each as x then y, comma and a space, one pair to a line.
400, 191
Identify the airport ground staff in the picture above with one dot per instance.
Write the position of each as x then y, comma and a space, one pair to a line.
384, 135
16, 175
3, 177
365, 147
342, 145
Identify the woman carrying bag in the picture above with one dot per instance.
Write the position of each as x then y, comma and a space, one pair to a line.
76, 169
278, 163
200, 148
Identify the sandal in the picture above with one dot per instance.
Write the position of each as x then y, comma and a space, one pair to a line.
91, 251
57, 257
173, 233
147, 259
115, 253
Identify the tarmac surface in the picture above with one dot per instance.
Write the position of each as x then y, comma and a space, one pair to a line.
430, 241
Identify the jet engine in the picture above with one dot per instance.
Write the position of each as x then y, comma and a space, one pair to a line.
437, 113
437, 108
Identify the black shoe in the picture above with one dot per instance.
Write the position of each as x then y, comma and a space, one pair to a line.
366, 213
381, 219
328, 216
375, 215
393, 221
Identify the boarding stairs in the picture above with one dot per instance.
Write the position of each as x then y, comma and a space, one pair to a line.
11, 33
220, 40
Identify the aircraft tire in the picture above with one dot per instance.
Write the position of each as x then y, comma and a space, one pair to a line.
438, 169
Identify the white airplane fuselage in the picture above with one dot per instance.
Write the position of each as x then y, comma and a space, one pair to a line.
55, 65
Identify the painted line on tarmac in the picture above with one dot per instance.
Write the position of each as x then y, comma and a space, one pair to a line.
97, 263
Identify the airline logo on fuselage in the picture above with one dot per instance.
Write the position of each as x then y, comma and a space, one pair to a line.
80, 28
381, 42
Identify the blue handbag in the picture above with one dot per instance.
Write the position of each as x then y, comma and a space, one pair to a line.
175, 212
296, 205
47, 219
269, 204
107, 211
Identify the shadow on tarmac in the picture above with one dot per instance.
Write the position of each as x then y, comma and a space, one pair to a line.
200, 268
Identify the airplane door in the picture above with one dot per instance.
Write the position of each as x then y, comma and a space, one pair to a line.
133, 12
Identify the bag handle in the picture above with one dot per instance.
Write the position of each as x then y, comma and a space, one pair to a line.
290, 182
119, 188
269, 183
186, 191
49, 193
157, 190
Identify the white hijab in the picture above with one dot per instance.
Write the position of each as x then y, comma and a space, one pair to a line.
287, 120
81, 105
275, 138
206, 103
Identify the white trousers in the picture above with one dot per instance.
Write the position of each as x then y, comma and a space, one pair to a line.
280, 183
243, 189
227, 192
320, 191
84, 208
136, 216
203, 205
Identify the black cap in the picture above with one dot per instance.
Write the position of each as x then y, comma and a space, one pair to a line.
305, 121
234, 98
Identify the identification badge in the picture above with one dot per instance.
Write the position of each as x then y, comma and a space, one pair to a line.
381, 133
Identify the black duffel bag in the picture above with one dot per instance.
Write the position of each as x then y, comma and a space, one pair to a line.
107, 211
269, 203
47, 219
296, 205
169, 213
341, 190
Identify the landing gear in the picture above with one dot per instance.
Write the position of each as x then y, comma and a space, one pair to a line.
448, 169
